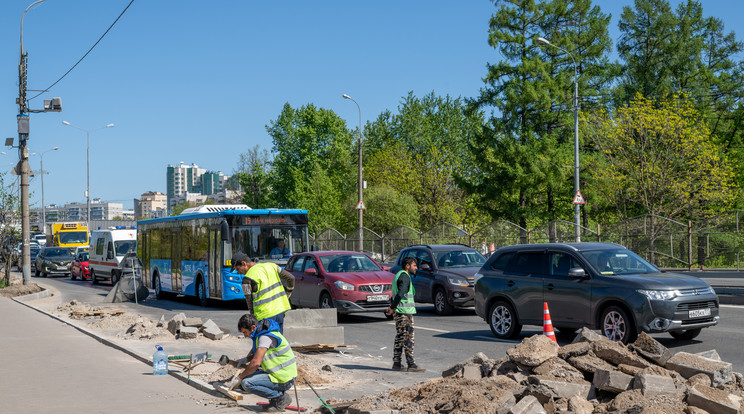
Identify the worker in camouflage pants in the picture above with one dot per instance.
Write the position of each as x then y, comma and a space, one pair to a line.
402, 307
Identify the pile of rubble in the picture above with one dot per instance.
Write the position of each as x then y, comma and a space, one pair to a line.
190, 328
590, 375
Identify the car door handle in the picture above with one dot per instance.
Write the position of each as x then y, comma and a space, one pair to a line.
550, 286
510, 283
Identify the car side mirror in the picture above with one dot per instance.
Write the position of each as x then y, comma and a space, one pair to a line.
311, 272
386, 268
576, 272
425, 266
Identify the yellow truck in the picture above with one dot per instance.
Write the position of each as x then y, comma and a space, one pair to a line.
69, 234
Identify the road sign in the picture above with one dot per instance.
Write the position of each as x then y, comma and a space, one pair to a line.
579, 199
361, 206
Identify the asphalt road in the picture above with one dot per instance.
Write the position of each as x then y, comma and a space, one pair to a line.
440, 341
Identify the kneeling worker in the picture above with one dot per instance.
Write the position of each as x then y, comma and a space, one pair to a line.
272, 369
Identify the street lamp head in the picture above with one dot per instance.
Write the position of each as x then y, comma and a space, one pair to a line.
66, 123
55, 148
543, 41
347, 96
110, 126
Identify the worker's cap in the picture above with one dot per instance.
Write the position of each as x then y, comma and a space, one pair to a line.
239, 257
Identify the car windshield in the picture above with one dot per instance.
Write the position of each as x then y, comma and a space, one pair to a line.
341, 263
123, 247
57, 253
35, 252
68, 237
618, 262
83, 257
458, 258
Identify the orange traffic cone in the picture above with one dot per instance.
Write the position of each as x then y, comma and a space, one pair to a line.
547, 323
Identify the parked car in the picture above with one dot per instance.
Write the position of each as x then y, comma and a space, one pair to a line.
79, 268
348, 281
34, 250
53, 260
597, 285
445, 275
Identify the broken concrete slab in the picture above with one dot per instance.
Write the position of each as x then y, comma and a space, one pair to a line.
713, 400
214, 333
588, 335
478, 358
698, 379
174, 326
209, 324
556, 367
192, 322
575, 349
505, 401
690, 364
589, 363
550, 387
710, 354
652, 385
533, 351
472, 371
528, 405
188, 332
651, 349
612, 380
617, 353
579, 405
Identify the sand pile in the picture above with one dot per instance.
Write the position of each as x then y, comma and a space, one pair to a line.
20, 290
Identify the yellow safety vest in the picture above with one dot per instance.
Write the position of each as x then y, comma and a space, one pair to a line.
278, 362
406, 305
270, 299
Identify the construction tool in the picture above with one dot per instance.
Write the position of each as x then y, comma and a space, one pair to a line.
322, 401
289, 407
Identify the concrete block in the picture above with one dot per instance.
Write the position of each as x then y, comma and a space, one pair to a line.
653, 385
310, 318
174, 326
556, 388
617, 353
533, 351
690, 364
651, 349
713, 400
472, 371
209, 324
192, 322
710, 354
161, 322
313, 336
214, 333
611, 380
188, 332
528, 405
578, 405
479, 358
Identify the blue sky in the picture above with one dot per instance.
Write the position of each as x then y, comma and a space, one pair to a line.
198, 81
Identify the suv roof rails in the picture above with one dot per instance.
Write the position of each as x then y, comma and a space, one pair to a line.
417, 245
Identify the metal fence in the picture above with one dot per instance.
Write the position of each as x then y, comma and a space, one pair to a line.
716, 242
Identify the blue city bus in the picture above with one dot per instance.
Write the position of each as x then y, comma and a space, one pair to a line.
190, 254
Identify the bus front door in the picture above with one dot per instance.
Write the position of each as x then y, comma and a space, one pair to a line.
215, 264
176, 273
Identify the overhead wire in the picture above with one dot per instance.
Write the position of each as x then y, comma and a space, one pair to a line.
86, 53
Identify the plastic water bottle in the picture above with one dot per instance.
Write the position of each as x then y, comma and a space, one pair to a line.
159, 361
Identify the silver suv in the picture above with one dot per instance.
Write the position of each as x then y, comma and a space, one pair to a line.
598, 285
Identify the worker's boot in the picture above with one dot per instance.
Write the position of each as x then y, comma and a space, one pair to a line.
278, 404
415, 368
397, 366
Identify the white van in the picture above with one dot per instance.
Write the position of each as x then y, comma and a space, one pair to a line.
107, 251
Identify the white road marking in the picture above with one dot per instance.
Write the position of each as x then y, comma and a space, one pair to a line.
425, 329
731, 306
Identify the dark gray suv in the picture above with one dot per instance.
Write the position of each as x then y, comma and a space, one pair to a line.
598, 285
445, 274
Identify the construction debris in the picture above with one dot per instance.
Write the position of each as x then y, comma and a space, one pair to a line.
591, 375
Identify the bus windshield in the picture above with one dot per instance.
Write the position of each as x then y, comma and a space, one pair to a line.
268, 242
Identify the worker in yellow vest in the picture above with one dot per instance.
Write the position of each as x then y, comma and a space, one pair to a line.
272, 368
402, 308
266, 295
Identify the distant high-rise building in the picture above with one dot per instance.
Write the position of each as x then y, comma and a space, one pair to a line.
182, 180
152, 204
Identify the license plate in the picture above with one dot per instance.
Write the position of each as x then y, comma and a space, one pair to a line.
699, 313
378, 298
61, 267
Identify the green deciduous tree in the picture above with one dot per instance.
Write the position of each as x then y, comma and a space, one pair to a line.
658, 156
314, 166
419, 150
255, 174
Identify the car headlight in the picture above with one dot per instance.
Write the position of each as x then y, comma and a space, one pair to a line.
343, 285
659, 294
457, 281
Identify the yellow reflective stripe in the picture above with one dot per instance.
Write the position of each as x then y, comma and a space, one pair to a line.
269, 299
280, 366
268, 357
266, 290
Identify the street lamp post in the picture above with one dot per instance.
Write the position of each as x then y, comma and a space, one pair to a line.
360, 205
87, 187
43, 205
577, 206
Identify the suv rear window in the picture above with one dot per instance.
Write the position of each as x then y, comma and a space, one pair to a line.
528, 262
502, 261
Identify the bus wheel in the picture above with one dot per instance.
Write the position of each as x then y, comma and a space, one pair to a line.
158, 288
201, 292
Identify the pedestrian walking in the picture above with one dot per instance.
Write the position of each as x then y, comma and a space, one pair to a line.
402, 307
267, 297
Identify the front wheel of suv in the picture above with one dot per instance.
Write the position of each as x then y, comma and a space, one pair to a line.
617, 326
441, 305
503, 321
686, 334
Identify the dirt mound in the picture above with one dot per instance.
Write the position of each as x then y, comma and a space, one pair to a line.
20, 290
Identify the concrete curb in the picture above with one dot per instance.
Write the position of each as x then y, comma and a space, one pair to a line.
200, 385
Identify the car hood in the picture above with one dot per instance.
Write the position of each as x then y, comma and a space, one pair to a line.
364, 278
62, 260
466, 272
663, 281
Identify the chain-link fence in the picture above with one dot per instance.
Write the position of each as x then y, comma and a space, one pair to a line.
716, 242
